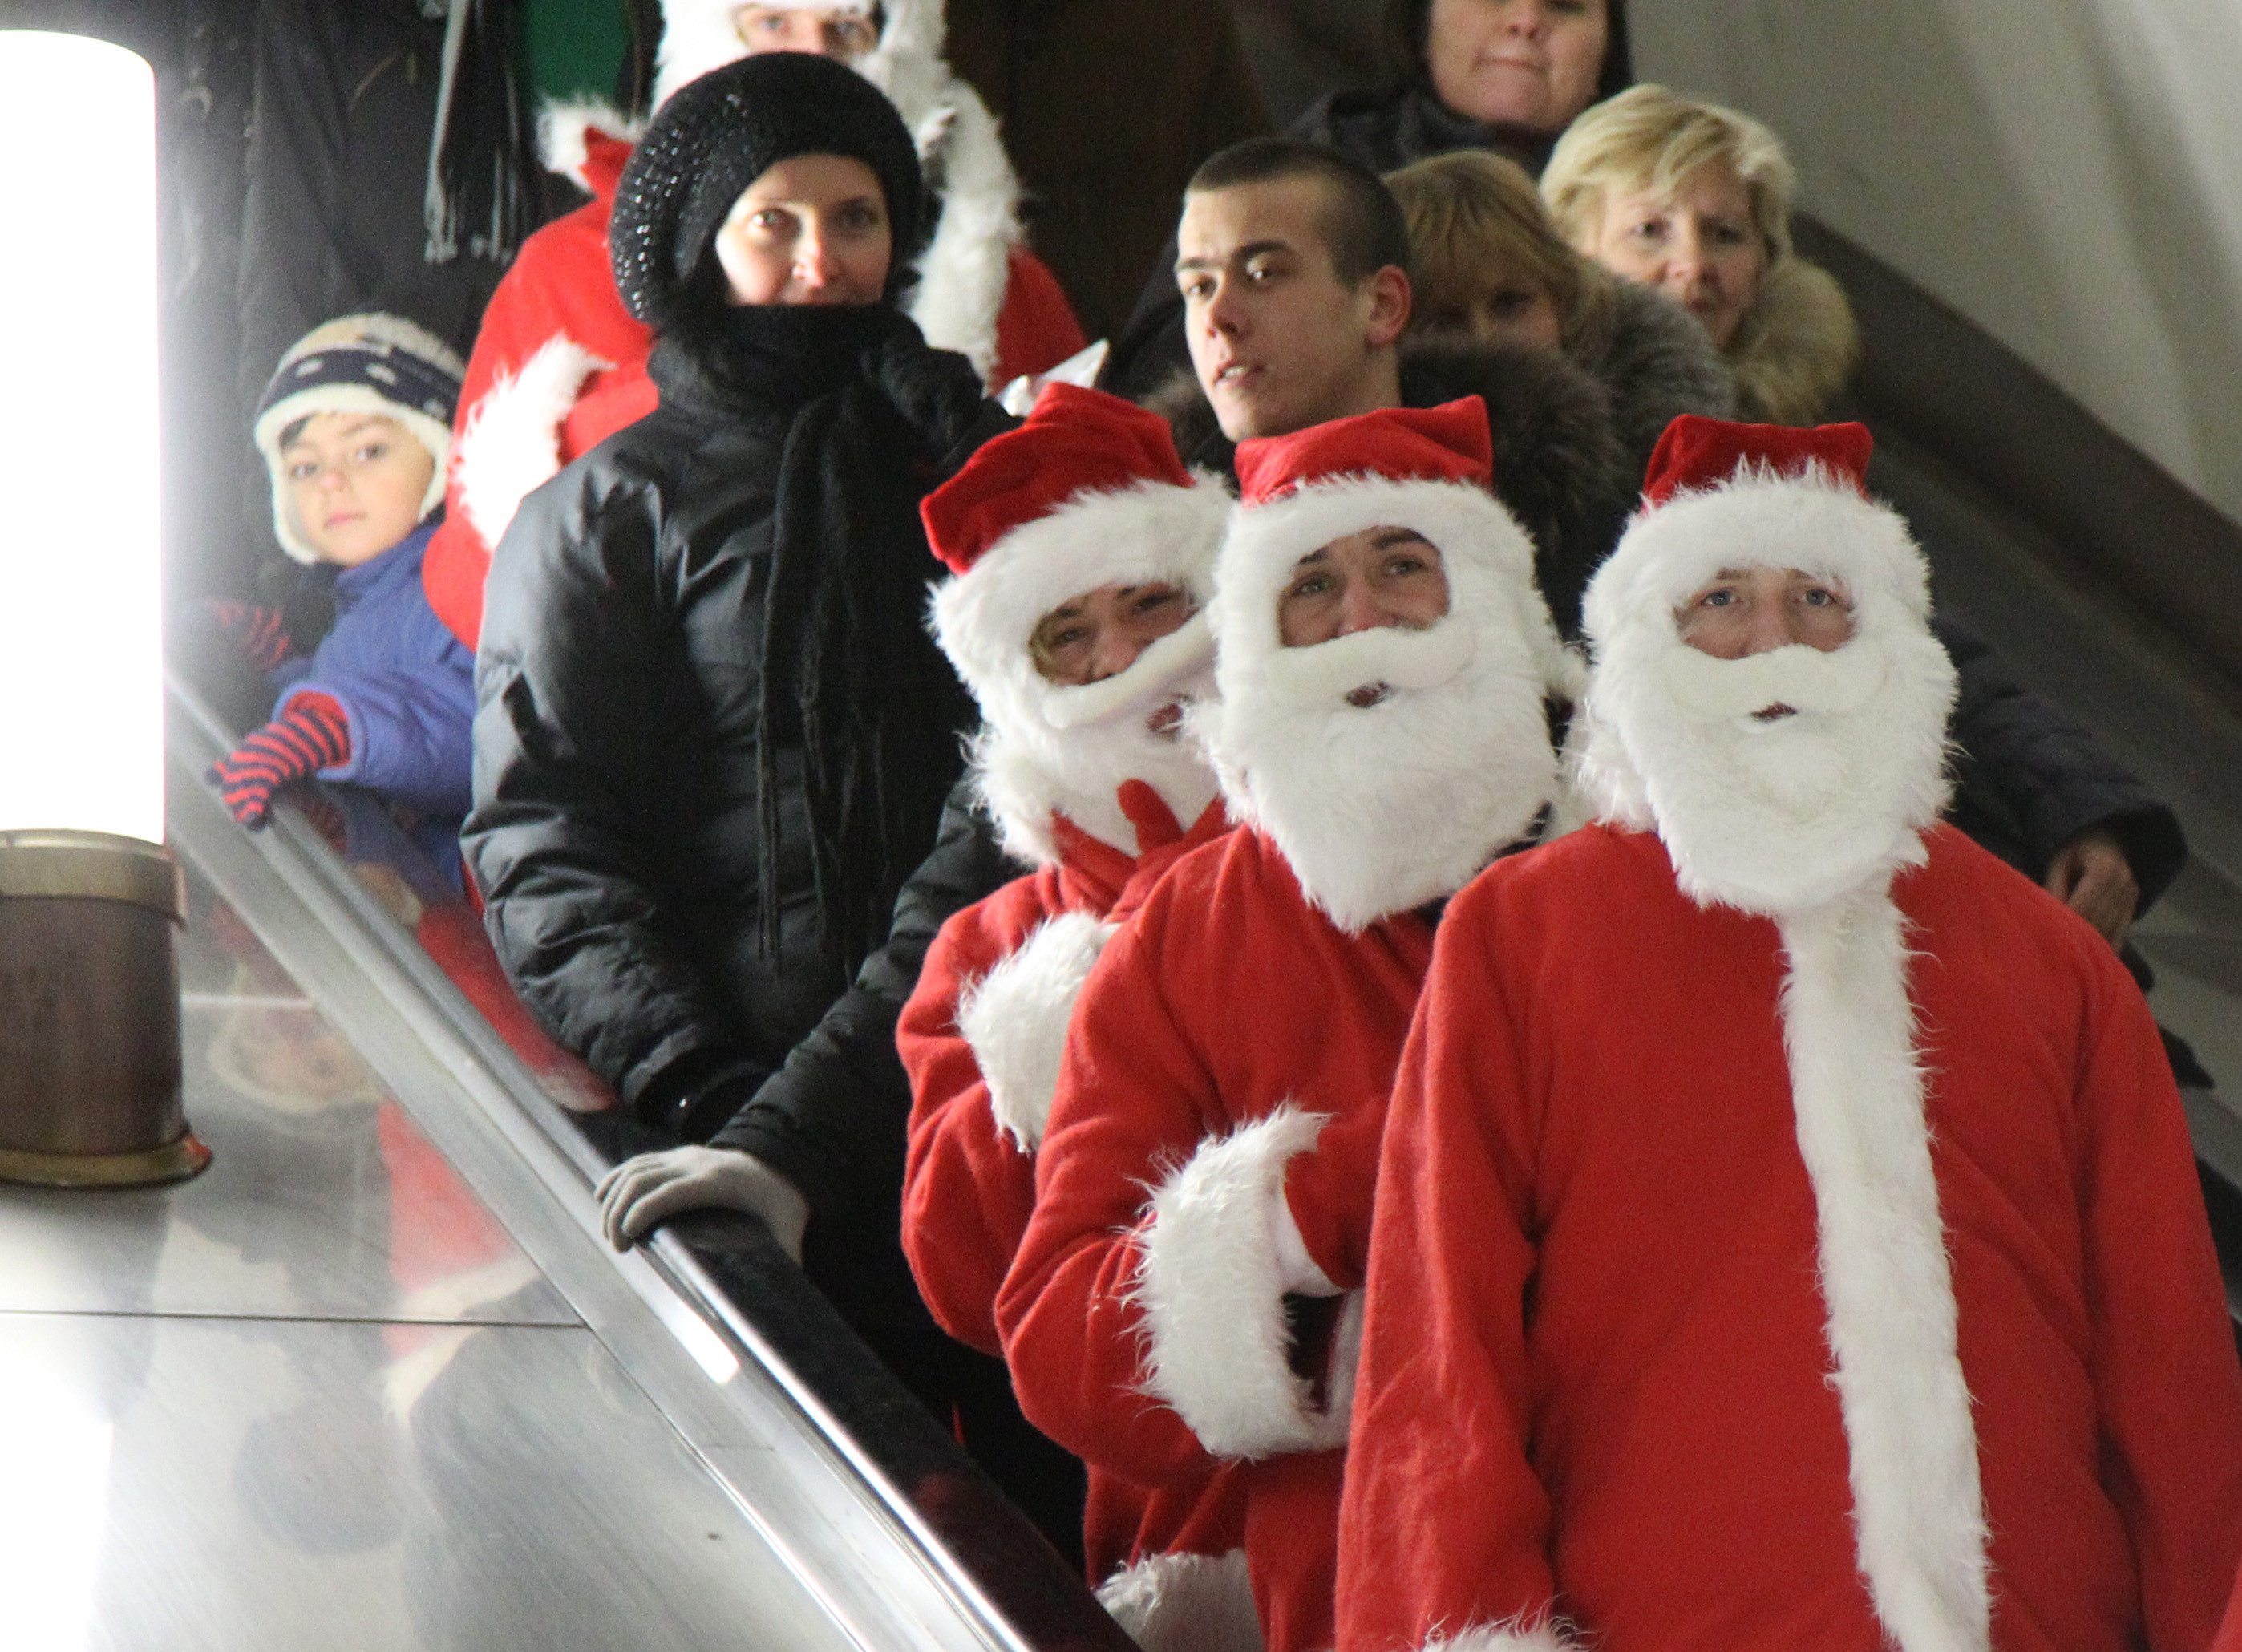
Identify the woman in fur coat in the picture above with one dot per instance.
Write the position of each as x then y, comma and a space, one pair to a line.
560, 364
1695, 199
1490, 266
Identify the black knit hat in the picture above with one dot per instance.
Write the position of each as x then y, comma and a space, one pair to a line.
721, 133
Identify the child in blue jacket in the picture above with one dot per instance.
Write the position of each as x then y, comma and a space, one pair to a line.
355, 429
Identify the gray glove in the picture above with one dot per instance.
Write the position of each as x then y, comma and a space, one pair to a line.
641, 1193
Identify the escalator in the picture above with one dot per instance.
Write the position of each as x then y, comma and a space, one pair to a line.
375, 1380
2106, 587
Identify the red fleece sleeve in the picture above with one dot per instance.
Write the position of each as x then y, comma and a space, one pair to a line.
2167, 1384
968, 1186
1134, 1100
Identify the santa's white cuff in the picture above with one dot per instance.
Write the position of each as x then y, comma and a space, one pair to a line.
1544, 1635
1211, 1289
1015, 1019
511, 446
1185, 1604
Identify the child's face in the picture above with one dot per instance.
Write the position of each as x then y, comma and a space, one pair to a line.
355, 482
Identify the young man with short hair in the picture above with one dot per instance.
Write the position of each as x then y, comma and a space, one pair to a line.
1294, 266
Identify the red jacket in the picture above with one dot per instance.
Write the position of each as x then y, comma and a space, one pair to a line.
1014, 961
1596, 1375
1229, 1058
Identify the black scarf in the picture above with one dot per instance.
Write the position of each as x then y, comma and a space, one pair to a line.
849, 669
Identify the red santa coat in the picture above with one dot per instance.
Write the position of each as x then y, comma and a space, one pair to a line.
996, 970
1145, 1320
558, 367
1596, 1378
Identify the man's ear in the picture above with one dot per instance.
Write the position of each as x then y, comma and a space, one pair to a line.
1389, 295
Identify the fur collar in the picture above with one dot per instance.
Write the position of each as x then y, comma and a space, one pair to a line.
1656, 363
1796, 346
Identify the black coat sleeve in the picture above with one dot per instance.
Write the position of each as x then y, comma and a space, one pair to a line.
569, 678
832, 1118
2028, 779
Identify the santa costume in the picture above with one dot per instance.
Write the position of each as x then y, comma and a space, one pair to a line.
560, 364
1089, 792
1212, 1145
1788, 1234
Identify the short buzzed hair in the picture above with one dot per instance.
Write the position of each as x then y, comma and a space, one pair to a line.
1362, 224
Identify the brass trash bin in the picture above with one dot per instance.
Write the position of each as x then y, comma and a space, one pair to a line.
90, 1063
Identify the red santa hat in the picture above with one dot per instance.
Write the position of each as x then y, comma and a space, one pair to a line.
1719, 494
1087, 493
1430, 469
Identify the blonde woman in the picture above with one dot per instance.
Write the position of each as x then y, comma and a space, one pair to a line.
1695, 199
1491, 266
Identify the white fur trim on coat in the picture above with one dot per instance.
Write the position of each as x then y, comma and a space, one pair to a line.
511, 443
1516, 1635
966, 265
1857, 1087
1213, 1298
564, 127
1016, 1016
1185, 1604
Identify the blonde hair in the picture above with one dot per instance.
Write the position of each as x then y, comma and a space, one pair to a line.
1474, 216
1650, 138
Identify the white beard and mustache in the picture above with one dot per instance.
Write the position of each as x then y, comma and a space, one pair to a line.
1058, 761
1772, 814
1380, 808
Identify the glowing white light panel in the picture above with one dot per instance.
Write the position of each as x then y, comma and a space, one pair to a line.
81, 630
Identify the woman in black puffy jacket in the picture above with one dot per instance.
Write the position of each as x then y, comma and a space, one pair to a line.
712, 736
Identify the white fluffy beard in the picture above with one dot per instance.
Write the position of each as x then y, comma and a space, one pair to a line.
1027, 771
1380, 808
1775, 814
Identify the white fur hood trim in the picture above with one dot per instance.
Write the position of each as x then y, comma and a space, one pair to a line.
1146, 533
511, 443
1028, 759
1858, 1091
564, 128
1016, 1017
1211, 1284
1469, 526
1185, 1604
1816, 523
